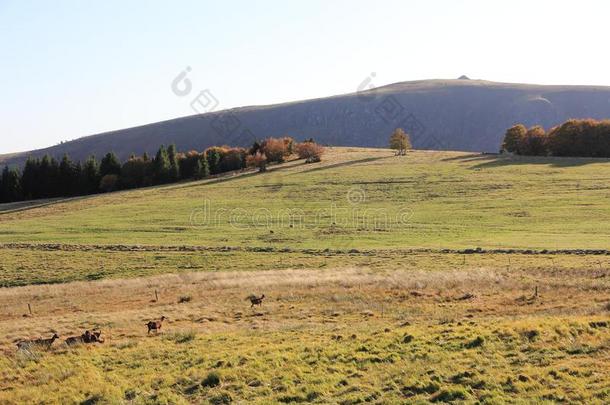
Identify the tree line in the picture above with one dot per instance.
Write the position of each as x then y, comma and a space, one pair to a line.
47, 177
576, 138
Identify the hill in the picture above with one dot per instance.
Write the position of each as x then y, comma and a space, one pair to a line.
462, 114
375, 291
356, 199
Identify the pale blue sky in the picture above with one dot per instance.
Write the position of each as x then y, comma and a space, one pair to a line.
75, 68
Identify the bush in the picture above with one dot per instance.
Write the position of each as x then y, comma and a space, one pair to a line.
232, 159
310, 151
477, 342
275, 149
109, 182
211, 380
258, 160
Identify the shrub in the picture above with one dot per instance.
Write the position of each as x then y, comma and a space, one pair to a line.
184, 299
232, 159
109, 182
477, 342
258, 160
275, 149
310, 151
211, 380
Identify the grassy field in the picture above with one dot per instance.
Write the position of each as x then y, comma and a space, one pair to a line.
356, 198
368, 299
342, 335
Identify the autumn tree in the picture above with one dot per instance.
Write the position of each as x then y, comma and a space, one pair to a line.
400, 141
258, 160
514, 138
275, 149
310, 151
232, 159
534, 142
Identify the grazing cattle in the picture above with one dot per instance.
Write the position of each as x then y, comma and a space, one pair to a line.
254, 300
155, 325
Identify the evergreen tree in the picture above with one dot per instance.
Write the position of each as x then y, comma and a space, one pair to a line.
110, 165
174, 168
75, 188
68, 177
90, 178
29, 180
201, 168
213, 157
48, 178
161, 166
11, 185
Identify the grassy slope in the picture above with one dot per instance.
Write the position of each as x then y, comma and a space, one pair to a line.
334, 326
341, 335
443, 200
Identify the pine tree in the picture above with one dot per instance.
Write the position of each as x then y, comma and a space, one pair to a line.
174, 168
75, 187
48, 178
90, 178
11, 185
110, 165
201, 168
161, 166
213, 157
67, 176
29, 179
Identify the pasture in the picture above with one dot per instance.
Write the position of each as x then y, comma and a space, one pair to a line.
375, 291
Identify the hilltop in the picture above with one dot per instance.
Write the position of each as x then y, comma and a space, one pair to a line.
461, 114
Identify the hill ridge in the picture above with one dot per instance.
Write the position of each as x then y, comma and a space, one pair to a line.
466, 115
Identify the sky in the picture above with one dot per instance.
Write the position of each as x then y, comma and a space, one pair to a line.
74, 68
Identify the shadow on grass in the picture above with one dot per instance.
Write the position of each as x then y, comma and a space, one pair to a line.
491, 161
344, 164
